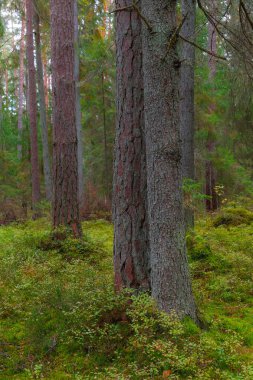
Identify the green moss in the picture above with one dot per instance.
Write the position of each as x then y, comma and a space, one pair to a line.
233, 217
197, 246
60, 317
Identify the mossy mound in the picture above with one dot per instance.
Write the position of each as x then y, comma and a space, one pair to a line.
233, 217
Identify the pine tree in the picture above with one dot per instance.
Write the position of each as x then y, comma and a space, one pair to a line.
187, 59
170, 280
32, 106
43, 115
130, 215
65, 161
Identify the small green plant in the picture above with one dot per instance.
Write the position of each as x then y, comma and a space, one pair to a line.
197, 246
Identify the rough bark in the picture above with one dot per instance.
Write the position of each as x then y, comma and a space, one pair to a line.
21, 88
32, 106
212, 198
65, 146
170, 279
187, 118
43, 114
78, 110
130, 216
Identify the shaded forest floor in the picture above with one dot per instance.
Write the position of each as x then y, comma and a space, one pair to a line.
60, 318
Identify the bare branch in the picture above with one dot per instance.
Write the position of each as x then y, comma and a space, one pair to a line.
250, 21
203, 49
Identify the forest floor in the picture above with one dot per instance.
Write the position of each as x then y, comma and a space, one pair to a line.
60, 318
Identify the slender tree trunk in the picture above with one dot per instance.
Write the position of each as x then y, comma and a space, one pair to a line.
46, 83
21, 88
65, 144
131, 258
43, 113
106, 168
212, 197
32, 104
7, 86
187, 117
1, 116
78, 110
170, 279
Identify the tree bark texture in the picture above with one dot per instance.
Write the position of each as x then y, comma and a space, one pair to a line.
170, 279
78, 110
21, 87
187, 117
130, 216
43, 113
65, 145
32, 103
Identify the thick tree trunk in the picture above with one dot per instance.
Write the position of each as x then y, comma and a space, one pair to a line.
187, 118
21, 88
212, 197
43, 113
65, 145
32, 104
78, 111
170, 279
130, 216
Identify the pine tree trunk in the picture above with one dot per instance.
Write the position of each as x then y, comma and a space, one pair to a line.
7, 86
78, 111
106, 166
43, 114
1, 117
212, 197
187, 118
21, 88
32, 104
45, 79
65, 144
130, 216
170, 279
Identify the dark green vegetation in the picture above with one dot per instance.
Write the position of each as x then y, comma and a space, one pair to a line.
60, 318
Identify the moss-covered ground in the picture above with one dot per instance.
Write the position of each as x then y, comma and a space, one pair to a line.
60, 317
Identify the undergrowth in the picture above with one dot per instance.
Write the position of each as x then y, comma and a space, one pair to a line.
60, 317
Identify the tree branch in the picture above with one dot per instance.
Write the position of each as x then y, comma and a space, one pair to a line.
203, 49
135, 7
250, 21
175, 35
